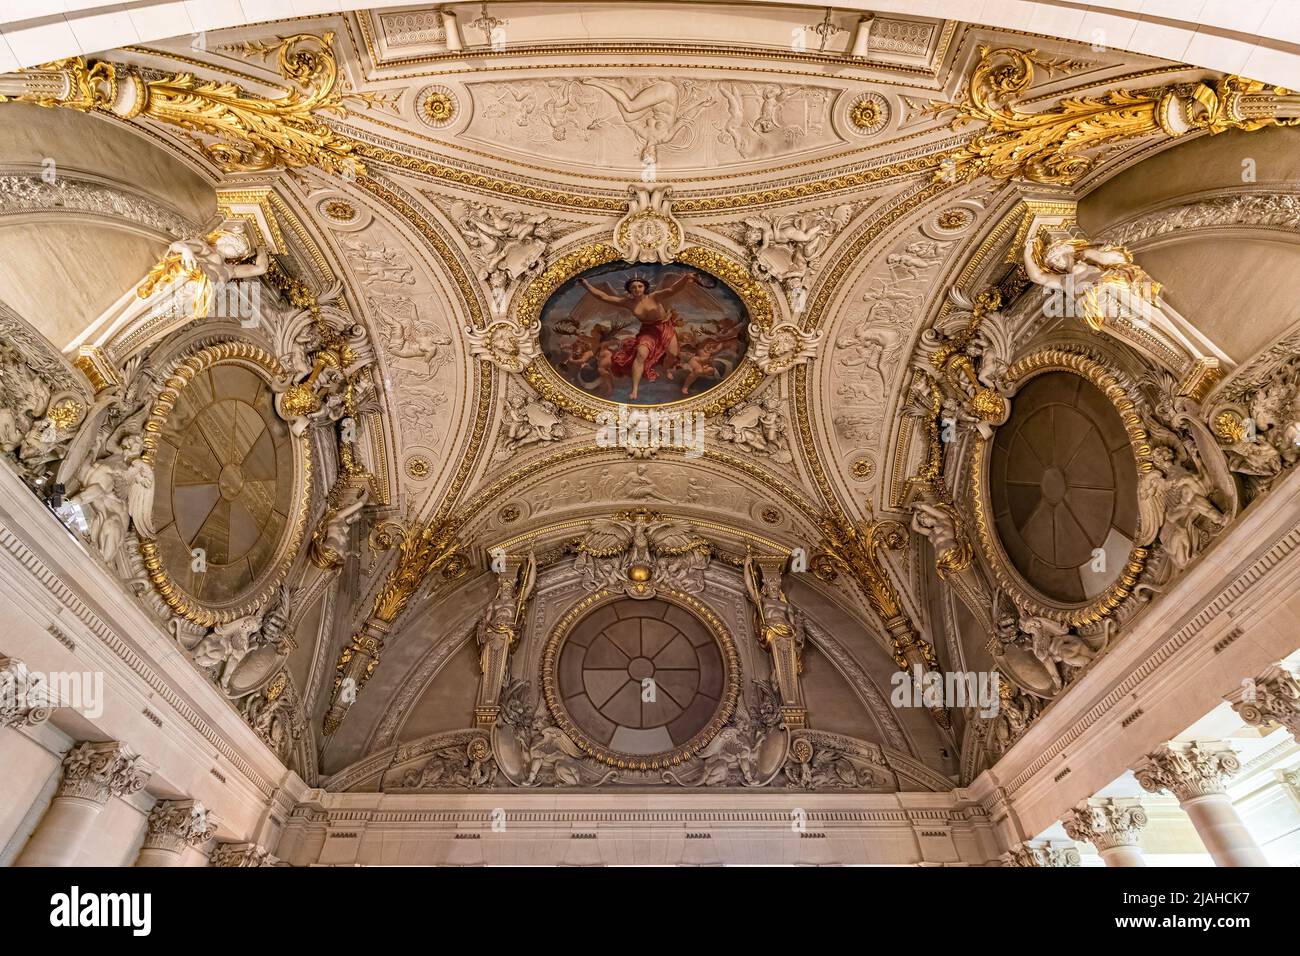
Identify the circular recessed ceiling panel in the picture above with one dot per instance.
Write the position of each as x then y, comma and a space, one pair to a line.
230, 489
641, 682
1062, 484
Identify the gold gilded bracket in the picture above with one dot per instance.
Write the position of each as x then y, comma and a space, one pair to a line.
245, 132
1056, 145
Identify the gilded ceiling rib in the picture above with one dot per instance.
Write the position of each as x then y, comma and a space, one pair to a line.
424, 548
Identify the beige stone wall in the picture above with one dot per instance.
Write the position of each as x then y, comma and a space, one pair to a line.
60, 269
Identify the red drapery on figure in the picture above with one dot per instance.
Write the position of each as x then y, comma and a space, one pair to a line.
657, 336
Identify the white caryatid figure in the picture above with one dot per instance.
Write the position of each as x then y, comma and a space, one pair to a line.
1102, 285
1096, 278
196, 278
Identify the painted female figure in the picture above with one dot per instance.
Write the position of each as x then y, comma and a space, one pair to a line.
658, 334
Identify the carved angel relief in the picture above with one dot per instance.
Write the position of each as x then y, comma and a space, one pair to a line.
1189, 493
37, 421
224, 651
1257, 422
511, 245
758, 427
869, 350
652, 121
1039, 655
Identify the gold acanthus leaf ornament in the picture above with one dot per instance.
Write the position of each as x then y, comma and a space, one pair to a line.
1057, 145
248, 133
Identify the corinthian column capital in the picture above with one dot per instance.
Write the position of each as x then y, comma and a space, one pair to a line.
1188, 769
175, 824
97, 771
1272, 698
241, 855
24, 699
1040, 853
1106, 823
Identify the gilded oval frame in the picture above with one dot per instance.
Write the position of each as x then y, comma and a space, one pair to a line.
669, 758
1026, 597
182, 373
549, 384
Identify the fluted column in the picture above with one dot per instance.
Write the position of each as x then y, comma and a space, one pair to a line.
174, 825
241, 855
24, 699
1272, 698
1196, 773
92, 773
1112, 826
1040, 853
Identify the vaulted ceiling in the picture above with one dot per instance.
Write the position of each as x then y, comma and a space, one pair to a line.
540, 118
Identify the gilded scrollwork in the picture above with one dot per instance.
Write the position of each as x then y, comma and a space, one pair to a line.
1059, 145
245, 132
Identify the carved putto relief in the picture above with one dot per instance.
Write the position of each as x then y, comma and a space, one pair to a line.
869, 346
417, 342
787, 248
758, 427
528, 421
636, 122
638, 483
509, 244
